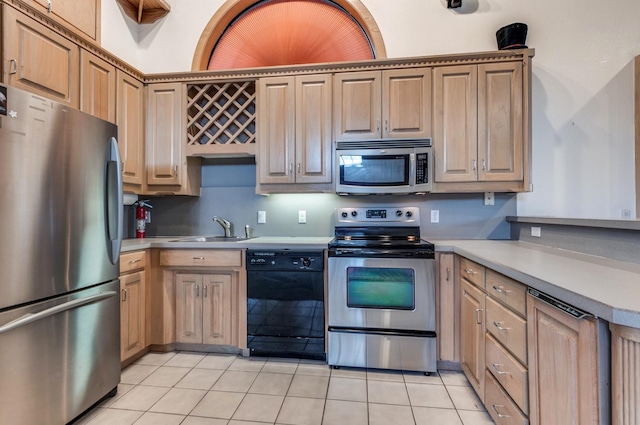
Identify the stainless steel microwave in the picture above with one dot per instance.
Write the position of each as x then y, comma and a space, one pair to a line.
380, 167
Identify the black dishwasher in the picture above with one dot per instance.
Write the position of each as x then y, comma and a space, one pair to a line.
285, 303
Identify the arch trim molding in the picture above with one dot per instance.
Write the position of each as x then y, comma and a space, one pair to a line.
232, 8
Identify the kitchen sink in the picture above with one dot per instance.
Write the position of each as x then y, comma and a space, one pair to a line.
211, 239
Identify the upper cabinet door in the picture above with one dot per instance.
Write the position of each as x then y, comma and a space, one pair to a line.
455, 124
500, 122
98, 87
313, 129
166, 120
80, 16
276, 129
39, 60
406, 103
357, 110
130, 120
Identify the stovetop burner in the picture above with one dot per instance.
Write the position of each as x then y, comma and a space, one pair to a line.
382, 228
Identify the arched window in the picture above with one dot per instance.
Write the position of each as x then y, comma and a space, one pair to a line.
256, 33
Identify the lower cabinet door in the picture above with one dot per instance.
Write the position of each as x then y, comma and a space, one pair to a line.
188, 308
132, 314
217, 308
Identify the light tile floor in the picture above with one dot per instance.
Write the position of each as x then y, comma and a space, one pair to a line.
216, 389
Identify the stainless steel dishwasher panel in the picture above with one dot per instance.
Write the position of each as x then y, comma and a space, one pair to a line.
59, 356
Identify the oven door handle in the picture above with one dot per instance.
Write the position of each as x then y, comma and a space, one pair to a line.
380, 331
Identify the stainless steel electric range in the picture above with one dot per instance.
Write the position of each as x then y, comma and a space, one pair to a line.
381, 309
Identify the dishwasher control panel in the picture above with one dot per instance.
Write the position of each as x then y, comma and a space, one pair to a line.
285, 259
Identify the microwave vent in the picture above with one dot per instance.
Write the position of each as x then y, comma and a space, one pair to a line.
383, 144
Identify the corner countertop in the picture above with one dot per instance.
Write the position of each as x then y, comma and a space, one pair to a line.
606, 288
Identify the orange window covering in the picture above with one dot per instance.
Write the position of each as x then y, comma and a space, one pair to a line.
288, 32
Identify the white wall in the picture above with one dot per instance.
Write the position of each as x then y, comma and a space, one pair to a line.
583, 144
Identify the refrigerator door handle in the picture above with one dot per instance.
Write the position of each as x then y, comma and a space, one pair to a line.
114, 201
34, 317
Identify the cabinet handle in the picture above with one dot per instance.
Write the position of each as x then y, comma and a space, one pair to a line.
204, 291
175, 170
124, 295
386, 125
197, 291
49, 6
448, 271
478, 316
377, 126
299, 168
474, 165
497, 325
198, 258
291, 168
468, 271
500, 415
13, 68
500, 289
483, 165
134, 261
497, 367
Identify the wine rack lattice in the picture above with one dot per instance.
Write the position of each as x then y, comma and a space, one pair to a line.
221, 113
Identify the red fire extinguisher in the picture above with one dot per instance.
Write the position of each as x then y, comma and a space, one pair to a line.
141, 218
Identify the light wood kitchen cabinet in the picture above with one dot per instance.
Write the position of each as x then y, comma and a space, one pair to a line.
294, 130
448, 325
97, 87
133, 319
479, 127
472, 340
202, 300
204, 308
563, 366
130, 120
169, 171
625, 372
39, 60
81, 17
382, 104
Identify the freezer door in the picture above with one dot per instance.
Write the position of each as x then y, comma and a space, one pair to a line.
59, 357
60, 199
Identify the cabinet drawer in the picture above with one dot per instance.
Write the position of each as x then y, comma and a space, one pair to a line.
132, 261
507, 291
501, 408
473, 272
201, 257
508, 328
508, 372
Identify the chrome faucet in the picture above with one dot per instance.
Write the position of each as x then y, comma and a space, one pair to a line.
226, 225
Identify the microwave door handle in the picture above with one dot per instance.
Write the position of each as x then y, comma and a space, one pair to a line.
412, 169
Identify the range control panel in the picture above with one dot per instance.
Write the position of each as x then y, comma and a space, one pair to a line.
285, 260
377, 216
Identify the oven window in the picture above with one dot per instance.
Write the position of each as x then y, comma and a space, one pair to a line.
378, 287
374, 170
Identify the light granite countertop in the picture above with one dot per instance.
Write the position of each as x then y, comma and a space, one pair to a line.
606, 288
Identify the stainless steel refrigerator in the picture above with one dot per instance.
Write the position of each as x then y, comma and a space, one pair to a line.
60, 237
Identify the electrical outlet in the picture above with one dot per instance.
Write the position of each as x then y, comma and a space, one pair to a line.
536, 232
302, 216
147, 216
435, 216
262, 217
625, 214
489, 198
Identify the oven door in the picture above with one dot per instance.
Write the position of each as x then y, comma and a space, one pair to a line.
391, 294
